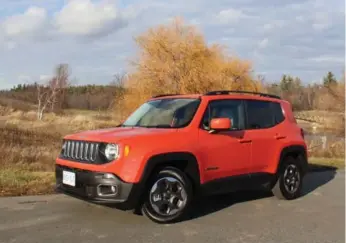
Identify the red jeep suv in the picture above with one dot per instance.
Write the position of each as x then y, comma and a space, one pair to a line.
174, 148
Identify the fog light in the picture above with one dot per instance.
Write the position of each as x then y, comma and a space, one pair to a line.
107, 190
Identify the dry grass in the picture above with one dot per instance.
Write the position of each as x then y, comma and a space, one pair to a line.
333, 149
320, 120
18, 182
29, 147
13, 104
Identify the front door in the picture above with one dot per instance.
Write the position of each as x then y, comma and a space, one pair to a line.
227, 153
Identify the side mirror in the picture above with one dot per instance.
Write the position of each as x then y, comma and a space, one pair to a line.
220, 124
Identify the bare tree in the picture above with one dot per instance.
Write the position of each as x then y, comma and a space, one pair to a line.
119, 79
60, 82
49, 94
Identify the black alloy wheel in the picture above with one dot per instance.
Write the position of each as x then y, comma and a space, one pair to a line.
168, 196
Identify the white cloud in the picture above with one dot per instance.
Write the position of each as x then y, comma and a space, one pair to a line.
275, 24
83, 17
28, 23
229, 16
45, 77
300, 18
11, 45
263, 43
321, 21
328, 58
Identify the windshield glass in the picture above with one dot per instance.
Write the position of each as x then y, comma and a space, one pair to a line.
165, 113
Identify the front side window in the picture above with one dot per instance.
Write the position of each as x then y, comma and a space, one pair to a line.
163, 113
232, 109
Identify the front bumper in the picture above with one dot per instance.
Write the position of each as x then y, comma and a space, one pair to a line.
89, 184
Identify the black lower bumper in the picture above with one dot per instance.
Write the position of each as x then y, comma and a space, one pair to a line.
90, 185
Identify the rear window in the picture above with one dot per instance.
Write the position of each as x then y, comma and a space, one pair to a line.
263, 114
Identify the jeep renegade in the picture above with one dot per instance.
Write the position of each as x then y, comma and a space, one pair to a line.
175, 148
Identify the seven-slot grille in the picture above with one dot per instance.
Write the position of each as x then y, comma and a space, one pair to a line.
81, 151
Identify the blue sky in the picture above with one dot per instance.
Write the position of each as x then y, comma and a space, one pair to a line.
304, 38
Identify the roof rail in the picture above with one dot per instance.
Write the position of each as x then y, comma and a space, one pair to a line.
225, 92
163, 95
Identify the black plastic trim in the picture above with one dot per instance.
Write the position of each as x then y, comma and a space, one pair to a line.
299, 152
89, 180
164, 95
182, 160
225, 92
253, 181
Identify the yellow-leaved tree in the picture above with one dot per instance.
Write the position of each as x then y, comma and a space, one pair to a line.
175, 59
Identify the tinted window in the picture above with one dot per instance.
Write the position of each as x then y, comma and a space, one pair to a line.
232, 109
259, 114
277, 110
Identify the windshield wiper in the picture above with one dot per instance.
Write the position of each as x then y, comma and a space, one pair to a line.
159, 126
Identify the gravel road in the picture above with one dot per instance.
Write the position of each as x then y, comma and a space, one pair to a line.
318, 216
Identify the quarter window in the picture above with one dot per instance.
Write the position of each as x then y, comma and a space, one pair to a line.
278, 114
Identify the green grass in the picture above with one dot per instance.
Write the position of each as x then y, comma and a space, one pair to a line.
338, 163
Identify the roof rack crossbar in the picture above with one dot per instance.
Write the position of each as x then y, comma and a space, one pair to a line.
225, 92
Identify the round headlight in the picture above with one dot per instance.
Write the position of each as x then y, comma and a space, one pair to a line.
112, 151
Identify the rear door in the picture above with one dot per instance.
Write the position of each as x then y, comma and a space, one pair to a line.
263, 127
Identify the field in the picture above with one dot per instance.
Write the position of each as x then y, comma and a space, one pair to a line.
29, 147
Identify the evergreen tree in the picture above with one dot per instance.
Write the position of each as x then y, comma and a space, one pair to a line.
329, 79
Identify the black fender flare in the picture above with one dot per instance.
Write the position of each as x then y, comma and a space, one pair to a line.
185, 161
298, 152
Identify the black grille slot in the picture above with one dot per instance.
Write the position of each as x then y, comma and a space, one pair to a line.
81, 151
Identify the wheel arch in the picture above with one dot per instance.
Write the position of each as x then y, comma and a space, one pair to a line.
185, 161
298, 152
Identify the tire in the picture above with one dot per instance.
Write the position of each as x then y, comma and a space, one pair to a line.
169, 188
288, 187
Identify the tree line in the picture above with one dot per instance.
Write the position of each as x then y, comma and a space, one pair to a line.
100, 97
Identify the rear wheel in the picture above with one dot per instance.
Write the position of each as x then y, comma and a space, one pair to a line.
290, 180
168, 196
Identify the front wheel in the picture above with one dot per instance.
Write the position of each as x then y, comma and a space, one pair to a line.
290, 180
168, 196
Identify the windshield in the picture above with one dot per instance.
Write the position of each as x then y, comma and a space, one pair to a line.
163, 113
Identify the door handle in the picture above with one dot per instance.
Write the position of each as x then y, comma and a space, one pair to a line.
244, 140
278, 137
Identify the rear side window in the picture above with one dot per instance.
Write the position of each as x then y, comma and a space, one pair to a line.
263, 114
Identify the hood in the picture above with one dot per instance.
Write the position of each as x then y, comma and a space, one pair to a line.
116, 134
